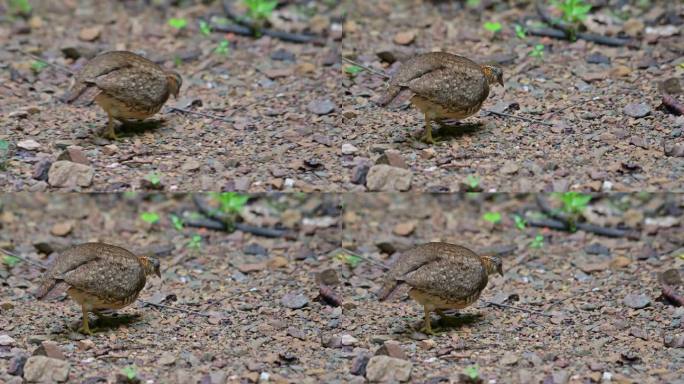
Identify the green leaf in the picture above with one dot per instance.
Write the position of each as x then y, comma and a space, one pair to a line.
149, 217
472, 181
472, 371
178, 23
205, 28
231, 202
353, 69
537, 242
260, 9
520, 222
38, 66
131, 372
520, 31
177, 222
195, 242
19, 7
10, 261
222, 47
492, 26
473, 3
153, 178
349, 259
573, 202
492, 217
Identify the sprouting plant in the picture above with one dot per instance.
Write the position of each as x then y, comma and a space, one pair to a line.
520, 31
177, 61
349, 259
177, 222
10, 261
520, 222
574, 203
149, 217
195, 242
205, 28
230, 202
222, 48
473, 3
537, 242
472, 371
38, 66
153, 178
131, 372
472, 182
178, 23
492, 217
538, 51
22, 7
574, 11
493, 27
4, 153
353, 69
260, 9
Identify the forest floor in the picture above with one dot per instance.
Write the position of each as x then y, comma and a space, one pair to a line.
591, 305
294, 118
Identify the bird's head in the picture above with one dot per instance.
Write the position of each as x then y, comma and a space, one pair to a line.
493, 73
175, 81
150, 265
493, 265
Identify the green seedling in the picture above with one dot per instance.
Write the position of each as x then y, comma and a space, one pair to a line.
149, 217
153, 178
10, 261
260, 9
353, 70
222, 48
176, 222
4, 153
472, 371
520, 32
178, 23
574, 203
574, 11
131, 372
537, 242
494, 27
538, 51
520, 222
349, 259
472, 182
205, 28
473, 3
195, 243
19, 7
230, 202
37, 66
177, 61
492, 217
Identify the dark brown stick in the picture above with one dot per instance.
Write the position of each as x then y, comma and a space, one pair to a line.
561, 221
217, 216
203, 114
528, 119
25, 259
670, 294
672, 105
367, 68
174, 308
368, 259
38, 58
517, 308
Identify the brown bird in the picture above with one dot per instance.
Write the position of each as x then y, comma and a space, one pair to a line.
127, 86
444, 86
98, 276
440, 276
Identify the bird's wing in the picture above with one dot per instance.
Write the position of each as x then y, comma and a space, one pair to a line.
452, 277
408, 262
52, 283
143, 87
84, 91
458, 88
108, 278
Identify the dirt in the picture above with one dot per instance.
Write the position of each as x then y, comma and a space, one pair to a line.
589, 307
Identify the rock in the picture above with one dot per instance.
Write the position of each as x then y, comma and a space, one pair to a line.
348, 149
6, 340
393, 158
110, 149
598, 58
294, 300
321, 107
51, 349
167, 358
597, 249
672, 341
190, 165
633, 27
509, 167
62, 229
405, 37
392, 348
29, 145
673, 150
69, 174
385, 178
16, 365
74, 154
359, 173
405, 228
387, 369
358, 366
283, 55
636, 301
636, 110
348, 340
40, 170
90, 33
509, 358
42, 369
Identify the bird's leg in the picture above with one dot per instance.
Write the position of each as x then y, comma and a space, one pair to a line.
109, 131
427, 327
427, 137
85, 329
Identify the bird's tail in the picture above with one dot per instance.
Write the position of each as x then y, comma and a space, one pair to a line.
391, 93
388, 289
50, 288
81, 94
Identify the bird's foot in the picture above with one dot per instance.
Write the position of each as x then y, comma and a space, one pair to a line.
86, 330
429, 331
428, 139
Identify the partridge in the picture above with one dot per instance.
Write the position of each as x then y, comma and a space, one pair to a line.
98, 276
440, 276
127, 86
444, 86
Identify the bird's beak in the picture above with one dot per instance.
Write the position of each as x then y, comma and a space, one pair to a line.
501, 82
158, 273
500, 270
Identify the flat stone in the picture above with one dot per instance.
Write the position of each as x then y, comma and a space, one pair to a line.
636, 110
294, 300
385, 178
42, 369
69, 174
636, 301
388, 369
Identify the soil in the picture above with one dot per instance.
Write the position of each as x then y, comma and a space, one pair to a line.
257, 314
